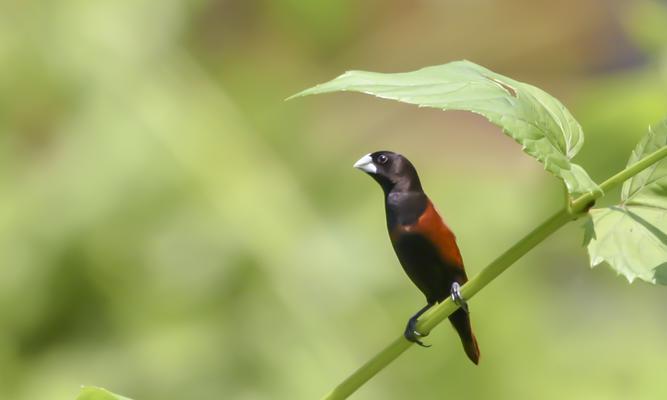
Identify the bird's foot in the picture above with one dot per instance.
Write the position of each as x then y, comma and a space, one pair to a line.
457, 298
412, 335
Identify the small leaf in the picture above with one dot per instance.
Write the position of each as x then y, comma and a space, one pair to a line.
649, 187
95, 393
540, 123
631, 237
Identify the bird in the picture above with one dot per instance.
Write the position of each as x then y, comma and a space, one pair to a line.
424, 245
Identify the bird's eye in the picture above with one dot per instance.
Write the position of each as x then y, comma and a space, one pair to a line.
382, 159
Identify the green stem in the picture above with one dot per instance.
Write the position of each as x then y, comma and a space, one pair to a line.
438, 313
622, 176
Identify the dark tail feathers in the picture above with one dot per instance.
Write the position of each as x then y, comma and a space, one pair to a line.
461, 322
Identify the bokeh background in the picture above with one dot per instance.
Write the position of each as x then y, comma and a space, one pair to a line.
171, 228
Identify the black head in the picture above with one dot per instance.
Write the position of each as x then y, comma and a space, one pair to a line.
391, 170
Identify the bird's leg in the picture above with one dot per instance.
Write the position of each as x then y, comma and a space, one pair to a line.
411, 333
457, 298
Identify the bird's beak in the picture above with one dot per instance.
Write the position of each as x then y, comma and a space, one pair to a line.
365, 164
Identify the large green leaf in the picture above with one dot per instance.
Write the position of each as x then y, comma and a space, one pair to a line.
631, 237
95, 393
535, 119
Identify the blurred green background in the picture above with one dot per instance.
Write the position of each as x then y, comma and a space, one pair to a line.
170, 228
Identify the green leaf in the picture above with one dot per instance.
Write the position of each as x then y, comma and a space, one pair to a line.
540, 123
631, 237
631, 240
95, 393
649, 187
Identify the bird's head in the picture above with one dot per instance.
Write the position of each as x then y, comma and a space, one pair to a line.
391, 170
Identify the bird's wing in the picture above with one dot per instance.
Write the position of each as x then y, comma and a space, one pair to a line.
431, 226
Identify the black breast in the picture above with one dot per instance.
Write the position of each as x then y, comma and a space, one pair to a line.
423, 264
404, 208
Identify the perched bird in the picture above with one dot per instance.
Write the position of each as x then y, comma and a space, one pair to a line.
425, 246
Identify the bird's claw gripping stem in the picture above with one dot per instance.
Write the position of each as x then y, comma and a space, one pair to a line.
411, 333
458, 298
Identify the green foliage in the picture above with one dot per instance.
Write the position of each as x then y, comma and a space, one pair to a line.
630, 237
649, 187
95, 393
532, 117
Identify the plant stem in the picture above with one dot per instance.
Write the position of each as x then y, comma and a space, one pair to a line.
622, 176
497, 266
438, 313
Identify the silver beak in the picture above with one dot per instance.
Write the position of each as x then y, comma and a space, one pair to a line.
365, 164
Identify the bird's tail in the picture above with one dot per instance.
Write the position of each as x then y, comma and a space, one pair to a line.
461, 322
